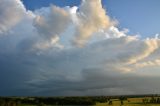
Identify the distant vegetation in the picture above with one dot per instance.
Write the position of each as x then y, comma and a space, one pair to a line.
136, 100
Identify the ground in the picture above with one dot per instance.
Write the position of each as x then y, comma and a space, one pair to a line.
128, 102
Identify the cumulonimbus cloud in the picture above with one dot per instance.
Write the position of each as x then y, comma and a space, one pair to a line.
34, 59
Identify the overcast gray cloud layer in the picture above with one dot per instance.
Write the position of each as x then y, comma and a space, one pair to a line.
73, 51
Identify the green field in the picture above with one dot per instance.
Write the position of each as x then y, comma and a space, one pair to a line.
128, 102
117, 102
81, 101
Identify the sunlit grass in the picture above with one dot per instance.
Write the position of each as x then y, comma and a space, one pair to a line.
128, 102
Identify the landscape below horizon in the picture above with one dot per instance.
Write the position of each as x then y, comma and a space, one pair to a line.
127, 100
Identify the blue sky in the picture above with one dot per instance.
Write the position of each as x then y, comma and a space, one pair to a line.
139, 16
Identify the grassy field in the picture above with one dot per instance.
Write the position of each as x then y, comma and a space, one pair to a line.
117, 102
97, 101
128, 102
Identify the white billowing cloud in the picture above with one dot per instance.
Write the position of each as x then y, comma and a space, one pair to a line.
11, 12
51, 21
42, 44
113, 32
146, 48
148, 64
16, 27
36, 60
91, 18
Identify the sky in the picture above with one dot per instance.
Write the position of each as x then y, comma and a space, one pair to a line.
79, 48
140, 16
